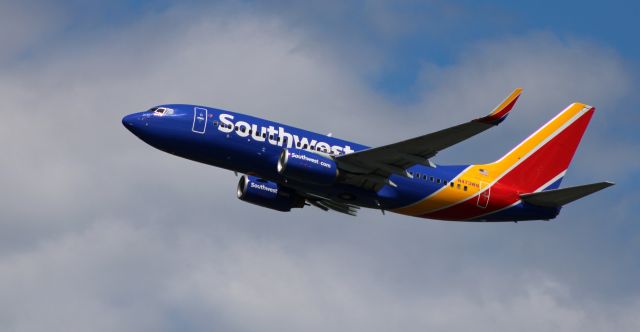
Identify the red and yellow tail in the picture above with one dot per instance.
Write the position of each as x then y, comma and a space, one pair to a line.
541, 160
536, 164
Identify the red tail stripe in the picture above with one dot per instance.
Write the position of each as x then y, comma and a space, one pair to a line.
547, 162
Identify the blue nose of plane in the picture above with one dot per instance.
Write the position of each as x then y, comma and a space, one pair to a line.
132, 122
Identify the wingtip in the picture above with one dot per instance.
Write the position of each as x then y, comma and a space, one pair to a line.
517, 91
503, 109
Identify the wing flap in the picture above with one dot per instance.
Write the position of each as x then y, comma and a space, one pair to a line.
560, 197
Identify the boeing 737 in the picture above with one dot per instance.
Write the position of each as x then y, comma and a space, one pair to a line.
286, 167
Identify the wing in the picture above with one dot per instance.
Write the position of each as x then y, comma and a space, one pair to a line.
371, 168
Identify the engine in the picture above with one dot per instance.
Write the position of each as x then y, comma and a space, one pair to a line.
307, 167
267, 194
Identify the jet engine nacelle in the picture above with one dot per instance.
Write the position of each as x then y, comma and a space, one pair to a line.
267, 194
307, 167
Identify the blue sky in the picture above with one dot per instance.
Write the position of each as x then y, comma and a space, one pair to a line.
436, 31
101, 232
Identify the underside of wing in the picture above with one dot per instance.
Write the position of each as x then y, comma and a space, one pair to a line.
371, 168
327, 204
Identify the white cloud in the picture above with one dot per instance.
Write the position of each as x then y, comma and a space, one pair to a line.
118, 276
553, 73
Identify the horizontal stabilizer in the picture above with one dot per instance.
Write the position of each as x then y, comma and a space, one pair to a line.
560, 197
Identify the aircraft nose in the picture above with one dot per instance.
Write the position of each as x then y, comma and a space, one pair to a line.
131, 121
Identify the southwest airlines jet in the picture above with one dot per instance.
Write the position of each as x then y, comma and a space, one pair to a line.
287, 167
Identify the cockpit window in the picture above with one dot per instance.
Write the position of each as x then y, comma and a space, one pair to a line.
161, 111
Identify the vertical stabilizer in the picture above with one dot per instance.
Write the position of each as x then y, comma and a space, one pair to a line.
541, 160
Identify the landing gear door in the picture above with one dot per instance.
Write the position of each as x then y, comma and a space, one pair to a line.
199, 120
483, 198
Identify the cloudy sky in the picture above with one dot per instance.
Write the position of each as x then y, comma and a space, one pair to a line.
100, 232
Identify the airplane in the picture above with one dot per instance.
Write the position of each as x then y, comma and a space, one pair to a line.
285, 167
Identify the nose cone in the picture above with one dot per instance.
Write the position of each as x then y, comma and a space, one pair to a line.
131, 122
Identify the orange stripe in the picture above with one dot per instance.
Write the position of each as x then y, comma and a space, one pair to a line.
448, 196
508, 101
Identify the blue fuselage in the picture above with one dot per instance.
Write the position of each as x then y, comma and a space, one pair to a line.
251, 145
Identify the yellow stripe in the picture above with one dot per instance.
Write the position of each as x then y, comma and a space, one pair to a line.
451, 196
507, 101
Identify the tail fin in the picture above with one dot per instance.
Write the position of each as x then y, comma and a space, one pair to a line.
541, 160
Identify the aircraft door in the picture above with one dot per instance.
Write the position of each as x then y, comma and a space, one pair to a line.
199, 120
483, 198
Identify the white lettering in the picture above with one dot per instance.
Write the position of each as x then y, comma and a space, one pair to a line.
272, 132
257, 135
243, 128
347, 149
323, 147
284, 137
278, 137
228, 125
264, 188
303, 143
309, 159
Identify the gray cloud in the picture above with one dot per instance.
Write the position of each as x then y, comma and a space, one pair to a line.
117, 276
24, 25
101, 232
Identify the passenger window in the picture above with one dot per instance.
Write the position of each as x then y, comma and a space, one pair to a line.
424, 177
465, 188
431, 178
458, 186
451, 183
418, 176
437, 180
215, 123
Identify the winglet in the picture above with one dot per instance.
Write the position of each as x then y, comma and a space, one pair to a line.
501, 111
